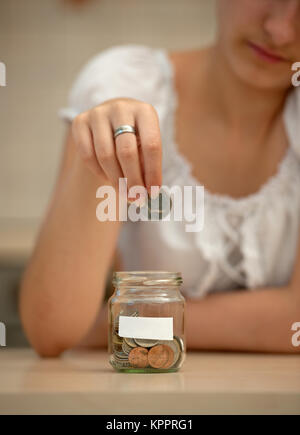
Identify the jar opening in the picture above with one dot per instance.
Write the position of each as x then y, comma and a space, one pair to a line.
147, 278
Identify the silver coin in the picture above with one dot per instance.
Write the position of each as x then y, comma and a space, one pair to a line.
145, 342
130, 342
120, 364
181, 359
180, 341
116, 339
116, 325
120, 360
117, 347
120, 355
158, 208
124, 364
175, 346
126, 348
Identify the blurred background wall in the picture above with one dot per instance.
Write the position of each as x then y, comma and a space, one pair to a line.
43, 44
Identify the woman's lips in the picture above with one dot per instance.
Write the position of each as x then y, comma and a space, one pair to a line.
265, 54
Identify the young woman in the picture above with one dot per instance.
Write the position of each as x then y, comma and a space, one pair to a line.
226, 117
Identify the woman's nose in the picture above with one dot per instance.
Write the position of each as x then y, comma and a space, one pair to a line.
282, 23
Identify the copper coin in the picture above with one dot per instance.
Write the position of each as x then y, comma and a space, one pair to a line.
138, 357
161, 356
170, 360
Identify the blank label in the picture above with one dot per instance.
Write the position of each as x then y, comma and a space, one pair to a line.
155, 328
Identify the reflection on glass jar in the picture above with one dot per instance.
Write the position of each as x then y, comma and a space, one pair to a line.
146, 322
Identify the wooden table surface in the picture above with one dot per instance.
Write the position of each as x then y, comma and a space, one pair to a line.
83, 382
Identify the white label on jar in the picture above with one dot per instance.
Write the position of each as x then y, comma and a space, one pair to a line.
155, 328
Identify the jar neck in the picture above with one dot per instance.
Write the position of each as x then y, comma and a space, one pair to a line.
143, 292
143, 280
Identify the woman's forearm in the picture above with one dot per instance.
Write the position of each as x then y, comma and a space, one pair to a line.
256, 320
248, 320
63, 285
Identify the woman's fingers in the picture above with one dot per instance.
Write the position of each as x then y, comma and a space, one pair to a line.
104, 146
126, 145
149, 132
83, 139
136, 157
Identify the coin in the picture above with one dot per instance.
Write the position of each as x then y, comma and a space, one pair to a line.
117, 347
117, 339
180, 341
175, 346
130, 342
145, 342
161, 356
138, 357
116, 325
157, 208
120, 364
140, 352
170, 361
182, 350
126, 348
121, 355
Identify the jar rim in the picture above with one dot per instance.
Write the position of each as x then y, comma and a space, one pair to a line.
147, 278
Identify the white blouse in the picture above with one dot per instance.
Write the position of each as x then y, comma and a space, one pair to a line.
248, 242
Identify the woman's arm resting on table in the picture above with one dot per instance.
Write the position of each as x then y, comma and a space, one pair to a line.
257, 320
63, 285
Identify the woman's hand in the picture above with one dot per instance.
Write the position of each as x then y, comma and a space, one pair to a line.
63, 286
135, 157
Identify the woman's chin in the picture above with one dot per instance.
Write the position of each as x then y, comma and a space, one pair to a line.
261, 79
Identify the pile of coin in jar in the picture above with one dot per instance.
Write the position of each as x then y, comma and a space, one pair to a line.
145, 353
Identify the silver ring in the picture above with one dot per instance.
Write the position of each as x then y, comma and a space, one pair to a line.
124, 129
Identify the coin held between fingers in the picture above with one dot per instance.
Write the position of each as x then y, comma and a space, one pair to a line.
140, 201
154, 192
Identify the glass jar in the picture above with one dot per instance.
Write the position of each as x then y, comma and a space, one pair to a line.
146, 322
